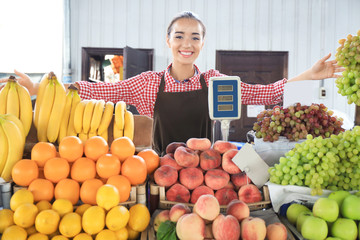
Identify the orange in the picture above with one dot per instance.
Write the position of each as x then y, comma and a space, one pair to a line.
42, 189
56, 169
71, 148
122, 147
108, 165
95, 147
88, 190
83, 169
43, 151
134, 168
68, 189
123, 185
151, 158
24, 172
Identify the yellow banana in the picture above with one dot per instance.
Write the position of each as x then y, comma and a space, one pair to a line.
104, 135
16, 145
45, 111
97, 114
75, 101
106, 118
12, 104
39, 97
4, 148
92, 134
120, 109
88, 113
56, 111
83, 136
65, 117
3, 98
26, 110
117, 132
78, 116
19, 124
129, 125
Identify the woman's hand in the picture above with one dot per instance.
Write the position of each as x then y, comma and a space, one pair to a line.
325, 69
23, 80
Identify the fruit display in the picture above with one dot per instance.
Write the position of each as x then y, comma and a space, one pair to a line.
205, 221
191, 169
296, 122
348, 56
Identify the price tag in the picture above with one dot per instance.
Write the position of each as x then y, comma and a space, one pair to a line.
252, 164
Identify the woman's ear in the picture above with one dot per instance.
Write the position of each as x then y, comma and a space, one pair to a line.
167, 41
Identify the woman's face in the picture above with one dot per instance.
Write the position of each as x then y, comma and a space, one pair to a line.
185, 41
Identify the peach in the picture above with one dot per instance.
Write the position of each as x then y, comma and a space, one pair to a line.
207, 207
226, 228
216, 178
161, 217
225, 195
230, 185
240, 179
210, 159
208, 231
238, 209
227, 164
168, 159
177, 210
200, 190
178, 193
249, 194
201, 144
276, 231
253, 228
171, 147
190, 226
186, 157
165, 176
191, 177
223, 146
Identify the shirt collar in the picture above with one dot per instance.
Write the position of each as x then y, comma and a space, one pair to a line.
170, 80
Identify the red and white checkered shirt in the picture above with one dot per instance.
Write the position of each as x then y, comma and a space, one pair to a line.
141, 90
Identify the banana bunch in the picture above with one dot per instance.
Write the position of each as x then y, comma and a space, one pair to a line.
92, 118
124, 122
12, 143
49, 108
16, 100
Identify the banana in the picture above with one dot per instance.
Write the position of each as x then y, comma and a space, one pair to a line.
106, 118
16, 144
26, 111
97, 114
3, 97
83, 136
104, 135
12, 104
92, 134
75, 101
129, 125
65, 118
56, 111
45, 111
40, 95
88, 113
19, 124
120, 109
3, 148
78, 116
117, 132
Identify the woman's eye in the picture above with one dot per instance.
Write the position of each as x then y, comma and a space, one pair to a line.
178, 37
196, 38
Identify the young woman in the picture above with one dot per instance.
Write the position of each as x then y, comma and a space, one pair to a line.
177, 97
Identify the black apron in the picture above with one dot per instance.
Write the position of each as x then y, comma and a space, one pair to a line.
179, 116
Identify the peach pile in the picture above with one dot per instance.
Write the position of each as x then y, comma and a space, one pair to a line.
206, 222
192, 169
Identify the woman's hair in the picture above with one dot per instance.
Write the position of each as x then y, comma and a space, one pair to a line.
188, 15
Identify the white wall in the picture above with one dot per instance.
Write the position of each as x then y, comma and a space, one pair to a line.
307, 29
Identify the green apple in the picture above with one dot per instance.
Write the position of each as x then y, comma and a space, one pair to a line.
344, 228
333, 238
326, 208
339, 196
301, 218
350, 207
294, 210
314, 228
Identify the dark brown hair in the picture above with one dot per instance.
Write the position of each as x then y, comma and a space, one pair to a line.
188, 15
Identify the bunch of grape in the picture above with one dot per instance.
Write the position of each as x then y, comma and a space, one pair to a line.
348, 56
322, 163
296, 122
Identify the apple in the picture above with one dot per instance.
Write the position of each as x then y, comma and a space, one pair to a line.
344, 228
314, 228
333, 238
301, 218
161, 217
339, 196
350, 207
326, 208
294, 210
